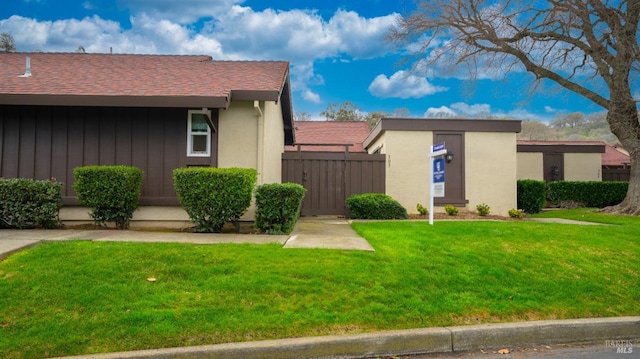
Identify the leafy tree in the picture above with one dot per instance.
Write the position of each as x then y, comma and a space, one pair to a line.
346, 111
373, 118
589, 47
7, 44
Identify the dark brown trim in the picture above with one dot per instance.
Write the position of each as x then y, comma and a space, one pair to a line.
577, 148
426, 124
116, 101
255, 95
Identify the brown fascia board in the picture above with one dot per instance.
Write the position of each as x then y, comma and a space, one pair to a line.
576, 148
458, 125
116, 101
255, 95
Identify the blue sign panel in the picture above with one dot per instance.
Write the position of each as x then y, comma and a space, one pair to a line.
438, 170
437, 147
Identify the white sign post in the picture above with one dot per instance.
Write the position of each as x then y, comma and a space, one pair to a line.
436, 175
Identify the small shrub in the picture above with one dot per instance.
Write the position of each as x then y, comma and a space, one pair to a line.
214, 196
375, 206
516, 213
27, 203
531, 195
278, 207
422, 210
483, 209
451, 210
111, 192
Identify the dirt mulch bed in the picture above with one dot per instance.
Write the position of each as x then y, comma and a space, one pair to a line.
461, 216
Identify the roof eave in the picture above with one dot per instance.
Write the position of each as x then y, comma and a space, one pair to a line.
115, 100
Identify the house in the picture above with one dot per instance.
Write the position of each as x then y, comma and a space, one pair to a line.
330, 136
560, 160
330, 162
616, 163
481, 167
63, 110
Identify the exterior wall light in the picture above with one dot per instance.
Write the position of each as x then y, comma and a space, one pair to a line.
449, 156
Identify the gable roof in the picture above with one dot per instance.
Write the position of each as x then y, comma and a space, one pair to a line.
311, 135
612, 157
116, 80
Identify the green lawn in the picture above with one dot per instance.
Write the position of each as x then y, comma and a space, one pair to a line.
70, 298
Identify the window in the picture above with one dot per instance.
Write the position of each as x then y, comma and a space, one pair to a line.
198, 134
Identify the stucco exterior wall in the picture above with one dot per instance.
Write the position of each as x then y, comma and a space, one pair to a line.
273, 142
407, 173
583, 167
249, 140
530, 166
490, 167
238, 127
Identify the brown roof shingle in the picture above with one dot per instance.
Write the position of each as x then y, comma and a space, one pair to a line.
330, 132
124, 80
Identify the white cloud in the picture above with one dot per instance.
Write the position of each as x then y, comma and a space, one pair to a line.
404, 85
183, 11
476, 110
440, 112
549, 109
360, 37
480, 111
311, 96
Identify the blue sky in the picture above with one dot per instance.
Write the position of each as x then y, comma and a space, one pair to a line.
336, 50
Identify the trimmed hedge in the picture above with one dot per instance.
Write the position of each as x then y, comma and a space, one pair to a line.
111, 192
531, 195
27, 203
375, 206
278, 207
214, 196
591, 193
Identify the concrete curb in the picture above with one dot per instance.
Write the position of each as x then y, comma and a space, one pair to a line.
407, 342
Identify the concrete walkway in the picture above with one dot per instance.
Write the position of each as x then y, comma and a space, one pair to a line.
309, 232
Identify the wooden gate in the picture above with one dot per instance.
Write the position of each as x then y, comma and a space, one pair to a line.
331, 177
616, 174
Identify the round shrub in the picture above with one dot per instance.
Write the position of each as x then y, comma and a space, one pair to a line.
111, 192
214, 196
375, 206
27, 203
278, 207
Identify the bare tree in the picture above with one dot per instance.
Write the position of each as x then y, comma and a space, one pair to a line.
535, 131
302, 116
589, 47
7, 44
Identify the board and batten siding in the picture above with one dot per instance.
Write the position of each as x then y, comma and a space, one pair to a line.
44, 142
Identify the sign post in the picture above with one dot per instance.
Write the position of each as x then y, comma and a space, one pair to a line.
436, 175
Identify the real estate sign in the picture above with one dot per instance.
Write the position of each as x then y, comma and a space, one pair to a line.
437, 175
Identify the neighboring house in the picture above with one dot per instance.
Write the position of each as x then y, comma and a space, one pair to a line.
482, 168
331, 163
616, 164
331, 136
560, 160
63, 110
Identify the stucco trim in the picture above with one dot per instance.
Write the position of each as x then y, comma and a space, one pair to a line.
426, 124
